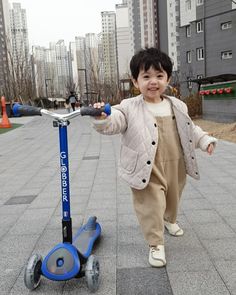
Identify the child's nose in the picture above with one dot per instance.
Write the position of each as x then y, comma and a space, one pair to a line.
154, 80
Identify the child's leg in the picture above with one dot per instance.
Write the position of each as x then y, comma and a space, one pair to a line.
150, 205
176, 179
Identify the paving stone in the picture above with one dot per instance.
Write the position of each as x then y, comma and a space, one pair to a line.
206, 282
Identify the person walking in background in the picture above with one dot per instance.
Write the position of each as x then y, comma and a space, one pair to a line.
157, 148
72, 100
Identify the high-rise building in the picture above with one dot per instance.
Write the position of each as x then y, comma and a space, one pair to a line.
39, 69
168, 30
92, 65
19, 35
73, 69
81, 67
109, 49
147, 23
59, 55
124, 49
142, 23
134, 24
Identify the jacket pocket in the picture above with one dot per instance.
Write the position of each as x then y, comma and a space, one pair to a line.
128, 159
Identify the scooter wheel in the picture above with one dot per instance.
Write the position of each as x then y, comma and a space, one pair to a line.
33, 272
92, 273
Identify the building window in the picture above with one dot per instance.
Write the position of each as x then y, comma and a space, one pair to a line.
200, 2
188, 4
188, 57
200, 54
189, 83
199, 27
226, 26
226, 54
188, 31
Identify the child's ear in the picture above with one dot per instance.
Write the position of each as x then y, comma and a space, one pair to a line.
135, 83
168, 81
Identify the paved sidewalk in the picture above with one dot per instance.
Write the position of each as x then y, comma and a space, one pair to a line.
202, 262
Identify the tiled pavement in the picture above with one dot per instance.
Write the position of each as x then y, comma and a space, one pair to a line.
202, 262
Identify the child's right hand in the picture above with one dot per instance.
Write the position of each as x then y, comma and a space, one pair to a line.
99, 105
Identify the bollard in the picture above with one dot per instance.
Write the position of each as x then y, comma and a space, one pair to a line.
5, 121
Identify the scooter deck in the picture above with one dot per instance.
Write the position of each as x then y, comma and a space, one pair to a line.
86, 236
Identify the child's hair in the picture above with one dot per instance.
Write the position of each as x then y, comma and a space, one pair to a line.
150, 57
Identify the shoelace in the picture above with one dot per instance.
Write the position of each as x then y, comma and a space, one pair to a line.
154, 249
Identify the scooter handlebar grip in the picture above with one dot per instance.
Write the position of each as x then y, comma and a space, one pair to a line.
94, 112
26, 110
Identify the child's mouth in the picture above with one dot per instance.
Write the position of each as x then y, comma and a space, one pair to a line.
153, 89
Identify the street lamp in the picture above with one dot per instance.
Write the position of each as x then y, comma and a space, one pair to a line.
86, 83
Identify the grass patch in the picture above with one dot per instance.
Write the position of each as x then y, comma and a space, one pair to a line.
14, 126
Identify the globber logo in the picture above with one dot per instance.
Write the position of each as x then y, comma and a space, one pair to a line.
64, 177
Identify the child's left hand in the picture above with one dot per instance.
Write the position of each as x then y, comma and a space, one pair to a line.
210, 149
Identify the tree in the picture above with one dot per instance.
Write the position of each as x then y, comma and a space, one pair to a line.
18, 82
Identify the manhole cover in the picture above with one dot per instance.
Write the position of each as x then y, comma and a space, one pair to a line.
18, 200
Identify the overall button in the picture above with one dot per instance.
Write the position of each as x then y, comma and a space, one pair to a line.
144, 180
148, 162
155, 125
190, 141
153, 143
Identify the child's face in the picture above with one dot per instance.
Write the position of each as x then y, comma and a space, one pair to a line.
151, 84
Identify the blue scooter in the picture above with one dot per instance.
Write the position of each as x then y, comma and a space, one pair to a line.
72, 258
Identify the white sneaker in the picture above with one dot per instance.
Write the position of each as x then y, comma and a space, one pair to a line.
157, 256
173, 229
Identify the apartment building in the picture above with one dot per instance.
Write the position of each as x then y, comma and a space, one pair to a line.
124, 49
92, 65
109, 44
207, 38
81, 67
142, 23
73, 68
19, 35
167, 30
59, 57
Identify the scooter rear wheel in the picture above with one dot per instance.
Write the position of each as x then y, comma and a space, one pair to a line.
32, 275
92, 273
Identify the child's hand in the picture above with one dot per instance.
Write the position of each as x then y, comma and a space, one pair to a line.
210, 149
99, 105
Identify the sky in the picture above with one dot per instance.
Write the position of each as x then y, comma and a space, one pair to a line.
52, 20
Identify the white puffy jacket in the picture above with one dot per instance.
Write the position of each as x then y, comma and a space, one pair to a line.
139, 140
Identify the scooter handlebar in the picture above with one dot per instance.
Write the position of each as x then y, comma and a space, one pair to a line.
26, 110
91, 111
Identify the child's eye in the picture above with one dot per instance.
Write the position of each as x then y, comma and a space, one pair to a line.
160, 76
145, 76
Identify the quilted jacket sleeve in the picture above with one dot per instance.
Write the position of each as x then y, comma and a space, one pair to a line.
113, 124
201, 138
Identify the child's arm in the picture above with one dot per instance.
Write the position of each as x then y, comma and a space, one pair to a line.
204, 141
112, 124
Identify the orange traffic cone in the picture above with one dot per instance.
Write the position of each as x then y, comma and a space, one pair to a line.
5, 121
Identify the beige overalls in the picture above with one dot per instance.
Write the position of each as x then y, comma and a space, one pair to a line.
160, 199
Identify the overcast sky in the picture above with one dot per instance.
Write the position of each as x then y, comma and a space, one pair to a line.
51, 20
